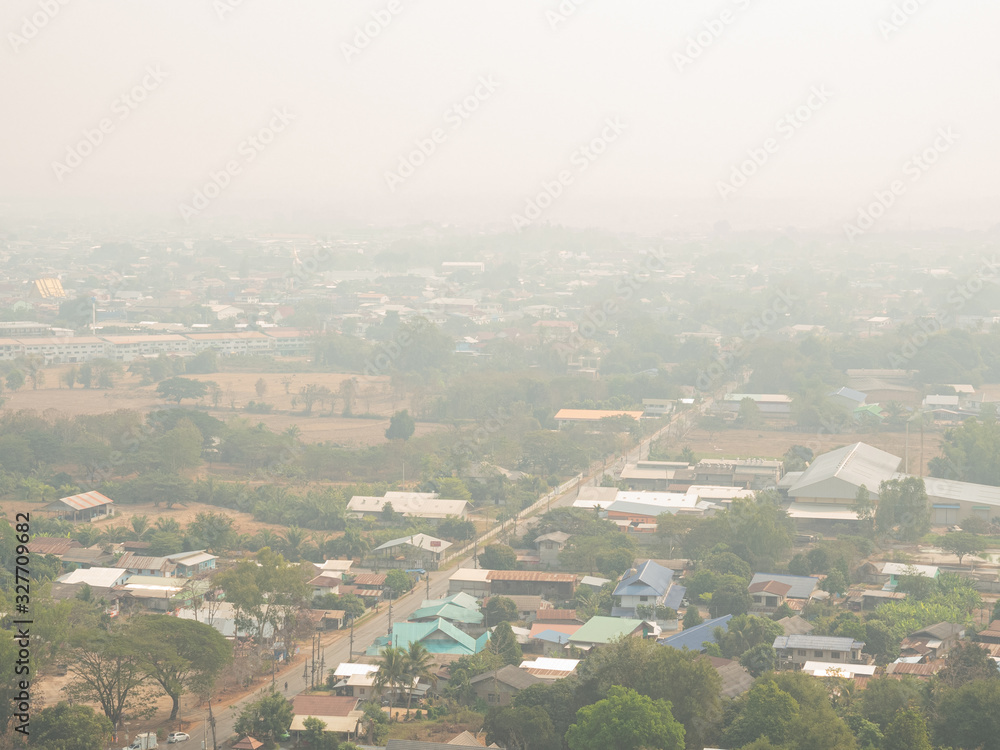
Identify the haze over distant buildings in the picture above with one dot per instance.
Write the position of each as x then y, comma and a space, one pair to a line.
760, 114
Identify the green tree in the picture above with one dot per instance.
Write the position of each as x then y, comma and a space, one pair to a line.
968, 662
315, 735
498, 557
180, 655
525, 728
730, 597
266, 718
266, 591
557, 699
962, 543
15, 380
626, 720
504, 644
500, 609
106, 670
398, 581
759, 659
967, 717
401, 426
971, 453
177, 389
865, 509
391, 670
885, 697
692, 617
67, 727
749, 415
835, 583
764, 711
907, 731
903, 509
418, 665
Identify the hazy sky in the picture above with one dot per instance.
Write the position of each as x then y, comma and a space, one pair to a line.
874, 83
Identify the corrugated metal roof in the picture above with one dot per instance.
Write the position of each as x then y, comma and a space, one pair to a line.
802, 587
86, 500
692, 638
605, 629
530, 575
854, 465
818, 642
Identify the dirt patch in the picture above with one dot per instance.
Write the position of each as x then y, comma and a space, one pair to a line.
774, 443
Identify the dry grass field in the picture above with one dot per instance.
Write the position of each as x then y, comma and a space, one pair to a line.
373, 396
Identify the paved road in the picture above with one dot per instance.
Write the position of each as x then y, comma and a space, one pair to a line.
365, 634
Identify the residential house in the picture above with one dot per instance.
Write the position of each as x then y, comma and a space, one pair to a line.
416, 550
767, 596
860, 673
355, 680
87, 557
932, 642
600, 630
768, 591
102, 582
735, 678
155, 593
889, 573
193, 562
648, 585
438, 636
795, 625
86, 506
472, 581
865, 600
798, 649
921, 670
695, 638
551, 616
461, 610
142, 565
56, 546
590, 497
327, 582
991, 634
556, 586
549, 546
338, 712
769, 404
366, 585
549, 669
328, 619
498, 687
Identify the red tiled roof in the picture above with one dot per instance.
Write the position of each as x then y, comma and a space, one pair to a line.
770, 587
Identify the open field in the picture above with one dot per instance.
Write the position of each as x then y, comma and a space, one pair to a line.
774, 443
243, 523
374, 396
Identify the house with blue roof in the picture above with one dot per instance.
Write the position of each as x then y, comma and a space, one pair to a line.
693, 639
650, 584
438, 637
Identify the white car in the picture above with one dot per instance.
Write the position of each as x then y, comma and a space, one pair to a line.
177, 737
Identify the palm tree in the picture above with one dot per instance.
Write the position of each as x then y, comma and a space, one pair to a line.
140, 527
169, 525
391, 669
294, 537
417, 664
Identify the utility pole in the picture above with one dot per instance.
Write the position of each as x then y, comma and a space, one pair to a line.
351, 652
427, 576
211, 723
389, 631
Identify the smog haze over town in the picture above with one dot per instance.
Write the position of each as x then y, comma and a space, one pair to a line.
542, 375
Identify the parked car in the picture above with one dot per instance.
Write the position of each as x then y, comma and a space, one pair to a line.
177, 737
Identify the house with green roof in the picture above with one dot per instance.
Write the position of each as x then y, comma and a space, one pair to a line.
600, 630
438, 636
458, 609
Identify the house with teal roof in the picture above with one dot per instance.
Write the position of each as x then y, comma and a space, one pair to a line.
438, 636
459, 609
600, 630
